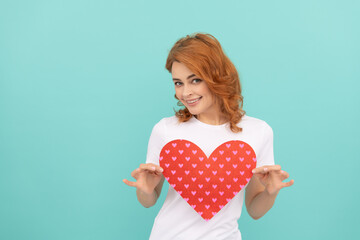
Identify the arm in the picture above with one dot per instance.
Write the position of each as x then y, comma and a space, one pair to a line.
150, 199
149, 181
257, 200
263, 188
156, 142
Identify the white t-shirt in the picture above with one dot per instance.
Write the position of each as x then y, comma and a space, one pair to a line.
177, 220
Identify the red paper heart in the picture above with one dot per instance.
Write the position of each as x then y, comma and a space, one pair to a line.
207, 184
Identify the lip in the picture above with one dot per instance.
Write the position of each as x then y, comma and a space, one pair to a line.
192, 99
193, 104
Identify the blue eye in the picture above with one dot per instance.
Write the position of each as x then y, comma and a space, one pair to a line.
177, 83
197, 80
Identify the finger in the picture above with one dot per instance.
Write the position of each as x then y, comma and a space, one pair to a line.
288, 184
135, 172
266, 168
129, 183
260, 170
260, 174
284, 174
273, 168
159, 169
151, 167
147, 167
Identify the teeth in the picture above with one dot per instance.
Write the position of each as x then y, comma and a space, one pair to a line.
193, 100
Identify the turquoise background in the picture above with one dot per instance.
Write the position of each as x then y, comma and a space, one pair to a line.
82, 83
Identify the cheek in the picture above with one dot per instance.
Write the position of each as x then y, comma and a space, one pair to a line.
178, 94
208, 94
205, 92
204, 89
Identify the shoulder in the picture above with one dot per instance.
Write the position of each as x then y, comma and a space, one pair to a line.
256, 123
165, 123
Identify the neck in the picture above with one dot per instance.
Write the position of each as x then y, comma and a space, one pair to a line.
212, 119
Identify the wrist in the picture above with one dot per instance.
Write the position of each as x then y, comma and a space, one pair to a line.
271, 191
146, 199
146, 192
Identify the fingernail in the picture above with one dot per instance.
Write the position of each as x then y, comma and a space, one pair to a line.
265, 169
161, 169
153, 168
253, 171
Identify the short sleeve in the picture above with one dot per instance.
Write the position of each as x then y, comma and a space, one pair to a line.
156, 142
266, 152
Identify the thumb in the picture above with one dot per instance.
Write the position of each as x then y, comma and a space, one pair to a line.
129, 183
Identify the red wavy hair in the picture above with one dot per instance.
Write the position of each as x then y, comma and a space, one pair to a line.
204, 56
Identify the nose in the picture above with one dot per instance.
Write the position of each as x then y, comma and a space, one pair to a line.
187, 91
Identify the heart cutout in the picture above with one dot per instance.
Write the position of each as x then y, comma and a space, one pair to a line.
207, 184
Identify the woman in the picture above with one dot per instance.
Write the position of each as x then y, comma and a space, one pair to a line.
207, 85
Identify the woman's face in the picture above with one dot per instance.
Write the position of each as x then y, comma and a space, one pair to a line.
192, 91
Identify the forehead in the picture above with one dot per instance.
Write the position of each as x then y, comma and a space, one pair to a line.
179, 70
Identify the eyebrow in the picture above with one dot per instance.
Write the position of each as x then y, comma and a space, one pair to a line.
190, 76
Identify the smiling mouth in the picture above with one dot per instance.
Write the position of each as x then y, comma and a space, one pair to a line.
192, 102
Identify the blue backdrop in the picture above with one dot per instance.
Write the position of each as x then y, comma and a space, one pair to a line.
82, 83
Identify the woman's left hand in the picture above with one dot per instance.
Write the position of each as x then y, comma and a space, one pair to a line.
271, 177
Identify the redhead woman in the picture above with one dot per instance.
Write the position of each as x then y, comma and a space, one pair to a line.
213, 155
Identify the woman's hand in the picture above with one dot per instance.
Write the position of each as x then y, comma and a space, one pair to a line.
271, 177
148, 176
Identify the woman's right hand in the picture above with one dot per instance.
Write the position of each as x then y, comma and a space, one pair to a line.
147, 176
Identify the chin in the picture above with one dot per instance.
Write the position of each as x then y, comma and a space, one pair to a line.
193, 112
